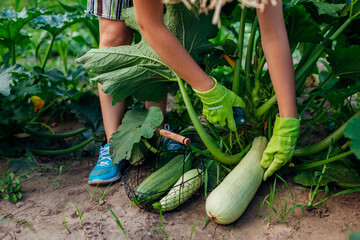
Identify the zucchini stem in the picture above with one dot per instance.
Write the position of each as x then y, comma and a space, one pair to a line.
62, 151
322, 162
208, 141
322, 145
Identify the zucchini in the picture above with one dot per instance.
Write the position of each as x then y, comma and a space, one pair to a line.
161, 180
183, 189
229, 200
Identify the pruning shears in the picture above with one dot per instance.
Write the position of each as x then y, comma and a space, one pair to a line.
239, 116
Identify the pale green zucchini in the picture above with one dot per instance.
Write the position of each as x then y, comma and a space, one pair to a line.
183, 189
229, 200
162, 179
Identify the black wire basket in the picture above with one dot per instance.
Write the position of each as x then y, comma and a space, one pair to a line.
135, 174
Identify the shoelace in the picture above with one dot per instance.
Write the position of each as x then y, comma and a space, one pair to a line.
104, 158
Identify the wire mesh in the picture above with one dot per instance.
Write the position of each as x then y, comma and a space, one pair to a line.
135, 174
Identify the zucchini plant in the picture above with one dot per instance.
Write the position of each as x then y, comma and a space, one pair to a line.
53, 89
316, 32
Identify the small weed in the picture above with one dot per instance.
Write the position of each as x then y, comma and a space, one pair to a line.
193, 229
64, 221
280, 210
162, 228
10, 186
102, 195
80, 213
92, 193
118, 223
57, 180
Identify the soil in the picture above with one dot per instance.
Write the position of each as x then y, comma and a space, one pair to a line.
45, 206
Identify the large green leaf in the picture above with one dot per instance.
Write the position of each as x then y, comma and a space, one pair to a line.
308, 179
300, 26
340, 91
12, 22
192, 30
7, 77
321, 11
88, 111
136, 80
352, 132
55, 24
345, 62
129, 70
136, 123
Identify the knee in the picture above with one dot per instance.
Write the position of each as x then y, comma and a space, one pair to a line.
115, 34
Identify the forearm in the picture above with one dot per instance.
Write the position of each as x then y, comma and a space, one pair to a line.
149, 18
277, 52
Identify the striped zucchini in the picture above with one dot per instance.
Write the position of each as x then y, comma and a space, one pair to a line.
228, 201
161, 180
183, 189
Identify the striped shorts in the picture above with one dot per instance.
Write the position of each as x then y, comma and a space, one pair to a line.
110, 9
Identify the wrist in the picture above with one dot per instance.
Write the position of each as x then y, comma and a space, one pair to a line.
205, 85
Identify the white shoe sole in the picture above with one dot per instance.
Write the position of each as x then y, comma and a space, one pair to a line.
102, 182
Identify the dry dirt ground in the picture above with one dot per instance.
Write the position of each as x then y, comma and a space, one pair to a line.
45, 207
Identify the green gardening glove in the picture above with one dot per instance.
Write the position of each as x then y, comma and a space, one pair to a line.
218, 103
281, 147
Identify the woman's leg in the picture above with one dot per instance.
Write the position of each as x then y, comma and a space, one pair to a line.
113, 33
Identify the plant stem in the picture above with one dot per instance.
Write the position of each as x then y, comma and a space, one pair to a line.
249, 54
36, 117
255, 92
208, 141
238, 67
312, 125
149, 146
322, 162
47, 54
51, 136
301, 73
62, 151
13, 54
320, 146
265, 107
310, 49
315, 192
311, 99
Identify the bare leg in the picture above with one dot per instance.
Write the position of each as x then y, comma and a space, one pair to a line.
113, 33
161, 105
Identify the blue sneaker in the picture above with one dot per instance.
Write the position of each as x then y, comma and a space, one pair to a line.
170, 145
104, 171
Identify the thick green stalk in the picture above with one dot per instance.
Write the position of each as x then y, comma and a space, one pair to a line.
300, 74
322, 145
249, 56
208, 141
322, 162
149, 146
255, 92
310, 49
13, 54
312, 125
237, 72
265, 107
47, 54
62, 151
52, 136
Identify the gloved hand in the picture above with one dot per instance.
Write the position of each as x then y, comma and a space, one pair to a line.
281, 147
218, 103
